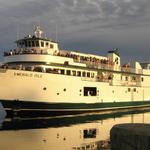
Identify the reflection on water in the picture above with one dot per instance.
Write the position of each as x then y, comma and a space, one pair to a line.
89, 132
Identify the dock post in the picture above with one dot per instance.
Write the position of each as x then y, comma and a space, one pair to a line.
130, 137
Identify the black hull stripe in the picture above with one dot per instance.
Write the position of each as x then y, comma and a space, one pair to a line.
25, 109
15, 104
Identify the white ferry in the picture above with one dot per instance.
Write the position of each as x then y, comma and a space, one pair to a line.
37, 78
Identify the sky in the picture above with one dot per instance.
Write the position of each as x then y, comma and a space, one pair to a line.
90, 26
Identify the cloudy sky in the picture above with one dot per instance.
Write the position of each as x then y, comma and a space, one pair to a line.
92, 26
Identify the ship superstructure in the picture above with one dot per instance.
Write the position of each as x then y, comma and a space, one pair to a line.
39, 78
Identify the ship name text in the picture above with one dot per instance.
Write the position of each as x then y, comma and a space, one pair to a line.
27, 75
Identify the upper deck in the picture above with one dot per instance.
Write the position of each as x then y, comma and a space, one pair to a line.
38, 48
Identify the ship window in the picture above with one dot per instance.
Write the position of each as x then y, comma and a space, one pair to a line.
47, 44
22, 43
68, 72
83, 74
33, 44
38, 69
37, 43
88, 74
129, 89
48, 70
62, 71
42, 44
92, 75
121, 77
126, 78
142, 79
29, 43
51, 46
90, 91
134, 89
55, 71
74, 73
79, 73
28, 68
26, 45
89, 133
133, 78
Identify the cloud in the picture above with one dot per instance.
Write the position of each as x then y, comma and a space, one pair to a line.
77, 20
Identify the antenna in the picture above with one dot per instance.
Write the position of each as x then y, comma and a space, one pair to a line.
56, 30
18, 30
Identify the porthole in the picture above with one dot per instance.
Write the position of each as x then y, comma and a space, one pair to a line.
44, 88
64, 89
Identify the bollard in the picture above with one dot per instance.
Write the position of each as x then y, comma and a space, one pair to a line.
130, 137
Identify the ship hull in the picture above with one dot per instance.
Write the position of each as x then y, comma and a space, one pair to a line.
30, 94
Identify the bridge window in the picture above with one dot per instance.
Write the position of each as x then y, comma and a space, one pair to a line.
42, 44
29, 43
47, 44
37, 43
26, 44
33, 44
90, 91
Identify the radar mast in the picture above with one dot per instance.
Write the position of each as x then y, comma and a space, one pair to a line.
38, 32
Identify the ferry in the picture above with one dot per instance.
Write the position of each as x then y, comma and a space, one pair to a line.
40, 79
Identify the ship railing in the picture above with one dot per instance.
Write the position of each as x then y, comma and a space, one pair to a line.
88, 79
130, 83
95, 79
24, 52
112, 67
98, 65
131, 70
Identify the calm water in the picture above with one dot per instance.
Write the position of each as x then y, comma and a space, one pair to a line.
89, 131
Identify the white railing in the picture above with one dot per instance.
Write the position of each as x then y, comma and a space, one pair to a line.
110, 67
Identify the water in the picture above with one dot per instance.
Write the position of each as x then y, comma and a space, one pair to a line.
90, 131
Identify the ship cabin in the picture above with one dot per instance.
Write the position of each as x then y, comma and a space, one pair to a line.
36, 44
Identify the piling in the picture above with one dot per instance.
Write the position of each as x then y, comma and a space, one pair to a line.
130, 137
